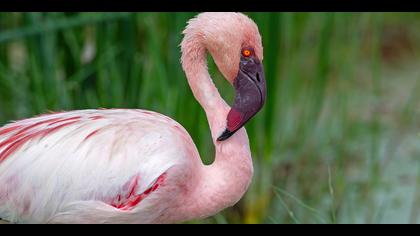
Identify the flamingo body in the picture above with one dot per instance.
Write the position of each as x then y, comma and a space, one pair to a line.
122, 159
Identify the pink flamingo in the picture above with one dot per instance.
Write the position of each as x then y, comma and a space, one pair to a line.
137, 166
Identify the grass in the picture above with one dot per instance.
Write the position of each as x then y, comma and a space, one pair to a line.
338, 133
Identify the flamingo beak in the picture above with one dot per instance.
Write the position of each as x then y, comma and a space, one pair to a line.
250, 96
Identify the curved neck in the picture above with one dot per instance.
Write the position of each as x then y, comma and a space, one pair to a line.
205, 92
224, 182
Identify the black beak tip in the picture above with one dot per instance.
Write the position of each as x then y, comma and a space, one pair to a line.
225, 135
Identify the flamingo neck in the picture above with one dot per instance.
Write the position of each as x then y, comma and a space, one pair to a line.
225, 181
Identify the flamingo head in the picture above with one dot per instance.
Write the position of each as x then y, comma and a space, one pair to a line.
235, 44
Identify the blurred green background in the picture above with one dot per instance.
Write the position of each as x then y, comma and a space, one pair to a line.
338, 140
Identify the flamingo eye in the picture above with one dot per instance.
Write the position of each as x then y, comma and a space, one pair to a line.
246, 52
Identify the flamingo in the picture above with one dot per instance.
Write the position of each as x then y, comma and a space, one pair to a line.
139, 166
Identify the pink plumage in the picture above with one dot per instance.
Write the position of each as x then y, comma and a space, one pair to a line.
138, 166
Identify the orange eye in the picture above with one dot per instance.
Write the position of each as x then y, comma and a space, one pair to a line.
246, 52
